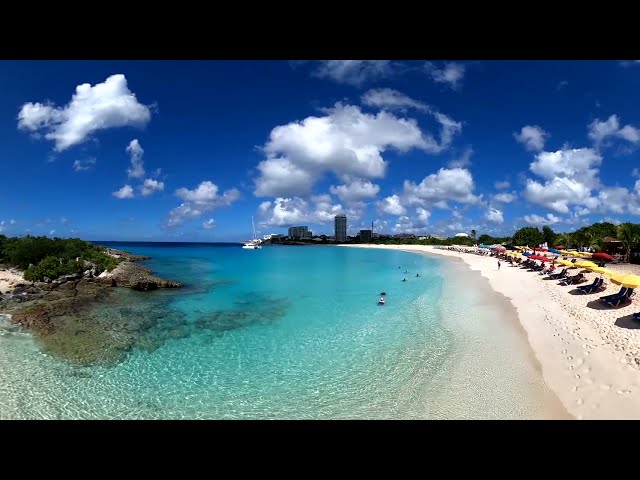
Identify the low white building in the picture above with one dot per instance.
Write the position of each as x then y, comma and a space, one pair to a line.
461, 235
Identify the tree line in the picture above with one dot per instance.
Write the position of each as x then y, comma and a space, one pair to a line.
43, 257
590, 236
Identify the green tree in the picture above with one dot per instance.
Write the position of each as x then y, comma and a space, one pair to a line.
582, 237
528, 236
629, 235
561, 239
484, 238
549, 235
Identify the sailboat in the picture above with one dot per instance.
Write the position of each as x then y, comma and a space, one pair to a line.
255, 243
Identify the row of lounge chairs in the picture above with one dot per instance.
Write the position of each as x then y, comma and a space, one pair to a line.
623, 297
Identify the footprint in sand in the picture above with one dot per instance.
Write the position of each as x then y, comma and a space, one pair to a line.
564, 351
571, 367
606, 387
624, 392
577, 375
569, 357
580, 401
574, 389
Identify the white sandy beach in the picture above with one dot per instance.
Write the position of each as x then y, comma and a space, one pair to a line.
8, 279
589, 355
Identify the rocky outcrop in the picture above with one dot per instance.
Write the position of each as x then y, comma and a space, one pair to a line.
131, 275
38, 309
130, 257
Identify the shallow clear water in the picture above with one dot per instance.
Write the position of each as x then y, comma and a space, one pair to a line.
291, 332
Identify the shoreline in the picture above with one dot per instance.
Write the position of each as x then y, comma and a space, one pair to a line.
588, 365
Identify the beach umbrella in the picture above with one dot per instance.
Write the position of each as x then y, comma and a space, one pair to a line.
527, 254
564, 252
629, 281
565, 262
559, 247
585, 264
605, 271
603, 256
544, 259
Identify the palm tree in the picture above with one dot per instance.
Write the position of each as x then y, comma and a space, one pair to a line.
597, 244
561, 239
629, 235
473, 234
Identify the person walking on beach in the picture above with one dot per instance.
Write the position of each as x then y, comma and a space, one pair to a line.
498, 264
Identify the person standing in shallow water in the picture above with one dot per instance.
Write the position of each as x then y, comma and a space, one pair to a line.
498, 264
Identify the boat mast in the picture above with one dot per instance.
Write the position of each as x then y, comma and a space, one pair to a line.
254, 229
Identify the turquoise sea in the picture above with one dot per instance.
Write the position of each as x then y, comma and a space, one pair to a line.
290, 333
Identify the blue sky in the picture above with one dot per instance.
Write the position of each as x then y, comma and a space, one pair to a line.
190, 150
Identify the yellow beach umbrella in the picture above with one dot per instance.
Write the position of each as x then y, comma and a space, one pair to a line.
586, 264
629, 281
564, 252
603, 270
564, 262
586, 254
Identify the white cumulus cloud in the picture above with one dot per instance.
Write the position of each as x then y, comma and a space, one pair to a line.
600, 131
532, 137
285, 212
392, 206
124, 192
204, 198
390, 99
135, 151
355, 191
82, 165
454, 184
354, 72
570, 176
209, 224
346, 142
93, 107
149, 186
451, 74
501, 185
505, 197
494, 215
538, 220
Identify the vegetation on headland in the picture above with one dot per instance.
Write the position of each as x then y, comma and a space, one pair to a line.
43, 257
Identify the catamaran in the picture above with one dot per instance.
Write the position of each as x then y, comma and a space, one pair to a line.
255, 243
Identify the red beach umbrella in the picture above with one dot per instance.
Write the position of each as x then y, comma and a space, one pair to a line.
603, 256
544, 259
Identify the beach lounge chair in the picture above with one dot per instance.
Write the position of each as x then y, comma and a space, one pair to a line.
621, 300
636, 316
574, 280
562, 273
597, 284
623, 291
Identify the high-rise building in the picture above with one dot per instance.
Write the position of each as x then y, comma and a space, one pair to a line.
299, 232
365, 235
341, 228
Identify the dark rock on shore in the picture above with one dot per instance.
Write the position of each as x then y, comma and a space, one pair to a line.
136, 277
130, 257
